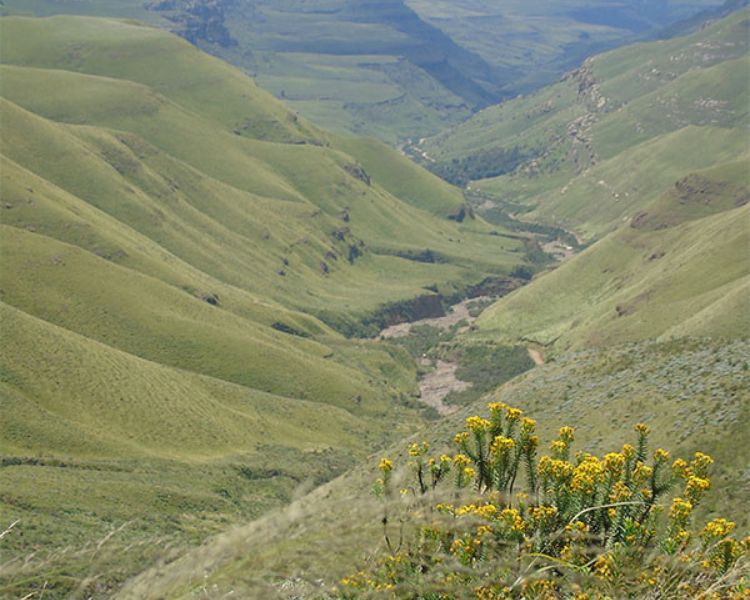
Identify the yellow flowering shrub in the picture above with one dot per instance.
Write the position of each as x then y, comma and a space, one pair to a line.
555, 526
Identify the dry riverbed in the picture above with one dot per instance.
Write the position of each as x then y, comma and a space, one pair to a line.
435, 386
441, 379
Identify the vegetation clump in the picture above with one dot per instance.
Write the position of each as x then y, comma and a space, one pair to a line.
584, 526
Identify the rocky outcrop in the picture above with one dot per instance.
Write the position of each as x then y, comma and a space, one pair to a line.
358, 172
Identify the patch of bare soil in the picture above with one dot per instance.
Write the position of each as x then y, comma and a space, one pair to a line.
536, 356
458, 313
436, 385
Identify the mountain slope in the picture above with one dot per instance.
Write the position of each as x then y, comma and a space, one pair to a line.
585, 141
176, 247
394, 69
531, 43
688, 406
677, 269
643, 154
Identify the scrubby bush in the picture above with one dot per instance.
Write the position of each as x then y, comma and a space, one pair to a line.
584, 527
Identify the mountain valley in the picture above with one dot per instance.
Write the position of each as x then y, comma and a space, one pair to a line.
221, 305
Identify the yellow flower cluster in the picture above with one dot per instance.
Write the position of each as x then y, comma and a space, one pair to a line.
513, 519
604, 566
619, 493
486, 511
416, 449
681, 468
628, 451
717, 529
559, 470
502, 444
477, 425
642, 473
613, 463
695, 487
680, 510
385, 465
567, 434
461, 438
492, 593
496, 408
543, 516
558, 447
587, 475
564, 489
461, 460
468, 547
513, 414
700, 463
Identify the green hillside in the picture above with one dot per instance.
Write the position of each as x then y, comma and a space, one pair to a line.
193, 276
643, 154
681, 267
373, 68
610, 137
393, 69
305, 549
180, 256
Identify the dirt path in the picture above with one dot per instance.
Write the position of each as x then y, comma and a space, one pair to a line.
536, 356
437, 384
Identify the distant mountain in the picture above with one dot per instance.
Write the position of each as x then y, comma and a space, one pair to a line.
389, 68
532, 42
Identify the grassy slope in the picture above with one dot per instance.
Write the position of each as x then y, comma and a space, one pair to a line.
679, 268
608, 124
646, 152
391, 69
351, 67
141, 180
329, 533
310, 177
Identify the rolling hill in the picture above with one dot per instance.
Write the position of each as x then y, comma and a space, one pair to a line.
576, 153
181, 257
